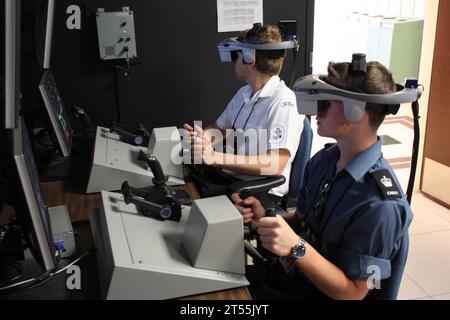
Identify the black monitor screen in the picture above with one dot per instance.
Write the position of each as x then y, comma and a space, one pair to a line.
2, 62
10, 71
57, 112
34, 218
44, 31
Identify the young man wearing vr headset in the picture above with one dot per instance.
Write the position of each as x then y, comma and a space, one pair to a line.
262, 116
352, 216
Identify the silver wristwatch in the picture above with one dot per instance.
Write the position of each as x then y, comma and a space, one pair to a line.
298, 250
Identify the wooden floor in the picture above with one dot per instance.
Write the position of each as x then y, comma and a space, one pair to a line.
79, 205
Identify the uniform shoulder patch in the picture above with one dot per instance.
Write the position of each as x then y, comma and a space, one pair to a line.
287, 104
387, 184
277, 135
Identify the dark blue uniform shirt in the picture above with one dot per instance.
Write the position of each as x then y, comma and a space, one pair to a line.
350, 219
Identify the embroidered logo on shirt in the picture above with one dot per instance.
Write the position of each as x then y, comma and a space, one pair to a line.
387, 184
287, 104
277, 135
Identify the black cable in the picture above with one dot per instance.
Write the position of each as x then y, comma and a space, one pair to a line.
19, 267
415, 151
42, 133
294, 66
10, 250
123, 71
54, 146
22, 284
116, 92
34, 282
245, 124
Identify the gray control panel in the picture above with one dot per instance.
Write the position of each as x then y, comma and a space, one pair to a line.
116, 36
143, 258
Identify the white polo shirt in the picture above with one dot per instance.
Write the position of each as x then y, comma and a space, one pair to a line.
267, 120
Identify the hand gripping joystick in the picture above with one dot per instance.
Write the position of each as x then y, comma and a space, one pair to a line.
245, 190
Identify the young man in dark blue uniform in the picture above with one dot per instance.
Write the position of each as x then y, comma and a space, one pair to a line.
352, 216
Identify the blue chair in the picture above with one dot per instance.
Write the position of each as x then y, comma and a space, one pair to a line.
298, 165
210, 188
297, 171
390, 286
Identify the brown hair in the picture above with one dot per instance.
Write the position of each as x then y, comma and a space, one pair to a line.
378, 81
267, 62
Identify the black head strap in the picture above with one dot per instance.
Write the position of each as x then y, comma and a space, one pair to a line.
357, 71
253, 32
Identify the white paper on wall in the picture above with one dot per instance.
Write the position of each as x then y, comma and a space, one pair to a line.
237, 15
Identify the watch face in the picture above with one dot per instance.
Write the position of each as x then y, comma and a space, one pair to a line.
298, 251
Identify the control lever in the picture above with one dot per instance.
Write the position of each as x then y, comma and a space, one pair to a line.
81, 114
159, 179
137, 136
251, 250
158, 203
154, 165
245, 190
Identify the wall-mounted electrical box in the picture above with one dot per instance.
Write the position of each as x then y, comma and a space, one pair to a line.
116, 36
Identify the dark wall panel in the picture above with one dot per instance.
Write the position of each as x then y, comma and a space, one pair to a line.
177, 76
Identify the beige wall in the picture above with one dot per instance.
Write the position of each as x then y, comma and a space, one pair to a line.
426, 62
436, 181
331, 29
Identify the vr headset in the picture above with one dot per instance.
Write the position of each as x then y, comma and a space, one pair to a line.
312, 89
228, 48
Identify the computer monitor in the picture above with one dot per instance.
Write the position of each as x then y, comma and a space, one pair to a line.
44, 31
34, 216
57, 112
11, 61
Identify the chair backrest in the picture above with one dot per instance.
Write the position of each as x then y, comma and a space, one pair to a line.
301, 158
212, 188
390, 286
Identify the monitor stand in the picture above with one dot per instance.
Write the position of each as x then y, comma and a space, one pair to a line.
74, 167
63, 238
53, 166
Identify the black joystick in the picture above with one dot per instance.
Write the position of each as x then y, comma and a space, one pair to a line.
245, 190
138, 136
156, 204
157, 201
159, 178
